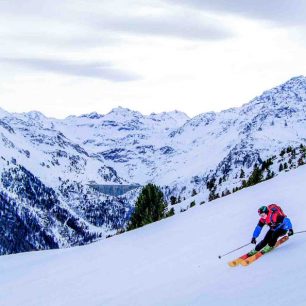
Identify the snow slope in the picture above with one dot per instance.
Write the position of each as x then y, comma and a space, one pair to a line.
174, 261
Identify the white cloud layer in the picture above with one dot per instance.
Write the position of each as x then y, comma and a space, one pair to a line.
72, 57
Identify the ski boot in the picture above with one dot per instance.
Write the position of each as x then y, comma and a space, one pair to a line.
267, 249
252, 252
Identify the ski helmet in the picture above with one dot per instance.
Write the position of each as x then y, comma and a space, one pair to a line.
263, 210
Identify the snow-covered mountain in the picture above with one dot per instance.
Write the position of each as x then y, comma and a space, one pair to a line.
45, 159
171, 149
174, 261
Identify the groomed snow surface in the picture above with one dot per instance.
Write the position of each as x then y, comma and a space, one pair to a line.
175, 261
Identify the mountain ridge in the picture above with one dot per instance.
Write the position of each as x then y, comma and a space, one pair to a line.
183, 155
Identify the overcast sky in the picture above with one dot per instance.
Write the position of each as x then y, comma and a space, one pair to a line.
70, 57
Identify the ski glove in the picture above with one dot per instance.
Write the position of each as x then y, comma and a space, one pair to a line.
290, 232
254, 240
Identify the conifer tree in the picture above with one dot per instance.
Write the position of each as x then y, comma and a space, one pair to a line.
173, 200
281, 167
256, 176
282, 153
270, 175
301, 161
150, 207
170, 213
192, 204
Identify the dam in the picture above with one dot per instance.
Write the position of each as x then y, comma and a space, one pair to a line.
114, 190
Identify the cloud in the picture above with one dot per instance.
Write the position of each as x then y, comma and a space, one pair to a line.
286, 12
143, 18
185, 26
98, 70
59, 42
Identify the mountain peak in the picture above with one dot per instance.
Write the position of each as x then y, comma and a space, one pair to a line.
123, 112
294, 83
35, 115
120, 109
299, 78
3, 113
92, 115
178, 116
292, 93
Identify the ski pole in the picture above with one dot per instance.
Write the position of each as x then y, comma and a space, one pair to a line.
234, 250
300, 232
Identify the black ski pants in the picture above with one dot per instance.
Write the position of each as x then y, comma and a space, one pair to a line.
270, 238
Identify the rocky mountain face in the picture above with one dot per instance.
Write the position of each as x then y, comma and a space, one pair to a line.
48, 166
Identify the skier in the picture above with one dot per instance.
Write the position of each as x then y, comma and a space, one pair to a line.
279, 224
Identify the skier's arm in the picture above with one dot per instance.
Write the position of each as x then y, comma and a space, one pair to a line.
258, 229
287, 224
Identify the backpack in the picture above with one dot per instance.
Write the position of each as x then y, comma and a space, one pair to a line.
274, 208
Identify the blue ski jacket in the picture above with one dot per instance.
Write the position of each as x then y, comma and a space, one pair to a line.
285, 224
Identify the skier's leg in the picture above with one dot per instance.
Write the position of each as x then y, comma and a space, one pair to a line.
265, 241
275, 235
